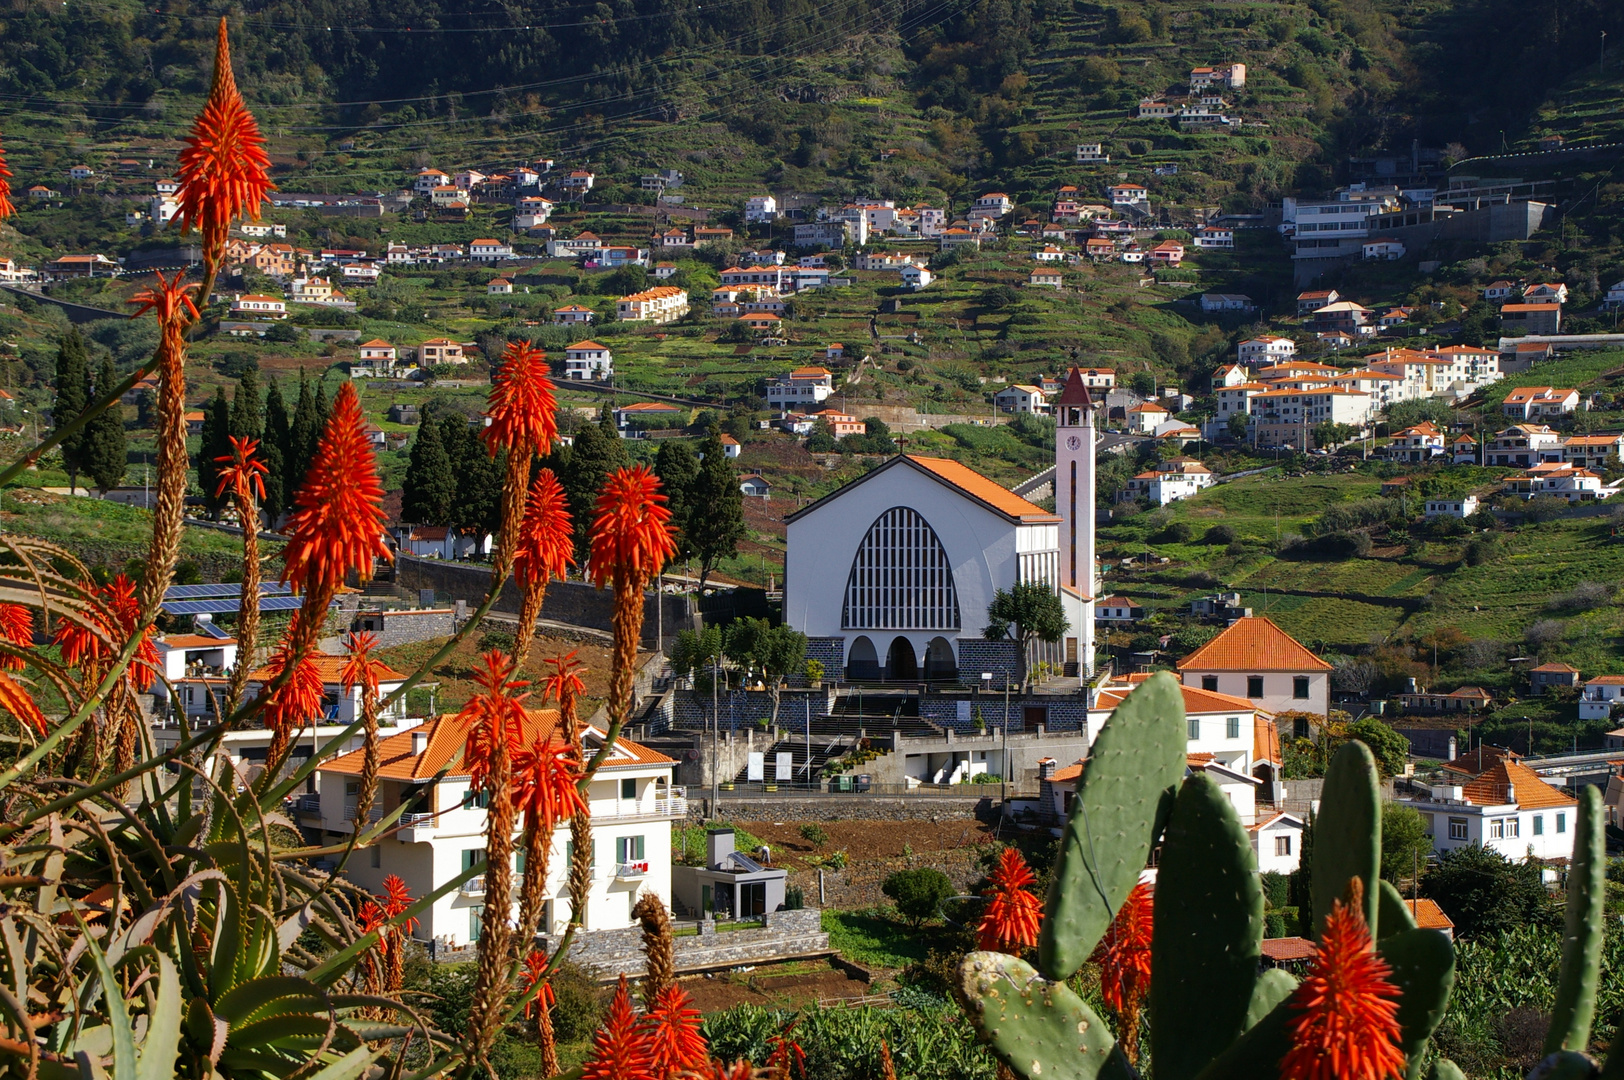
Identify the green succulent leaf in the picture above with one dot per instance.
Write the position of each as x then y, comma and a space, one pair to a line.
1038, 1028
1348, 833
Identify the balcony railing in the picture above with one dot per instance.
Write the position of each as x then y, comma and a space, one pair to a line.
474, 886
631, 869
673, 805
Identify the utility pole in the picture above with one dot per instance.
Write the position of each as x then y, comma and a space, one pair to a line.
716, 733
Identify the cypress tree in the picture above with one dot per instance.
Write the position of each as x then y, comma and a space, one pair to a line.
678, 469
303, 435
430, 488
477, 506
321, 410
715, 533
216, 443
274, 452
247, 412
597, 453
106, 451
72, 396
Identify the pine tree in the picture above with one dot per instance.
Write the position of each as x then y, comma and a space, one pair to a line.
715, 533
597, 453
430, 488
216, 443
247, 412
274, 451
106, 451
303, 435
72, 396
678, 469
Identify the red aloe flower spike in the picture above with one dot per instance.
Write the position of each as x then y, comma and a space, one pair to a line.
6, 209
632, 532
370, 917
299, 700
1346, 1026
224, 171
16, 627
168, 302
535, 967
1010, 922
361, 668
496, 711
787, 1059
521, 407
242, 472
620, 1051
739, 1070
546, 782
337, 522
1124, 952
396, 899
673, 1031
119, 597
565, 681
546, 544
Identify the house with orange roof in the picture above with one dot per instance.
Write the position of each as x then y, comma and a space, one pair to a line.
377, 358
1552, 675
1534, 402
1117, 610
1415, 445
1277, 842
440, 833
1144, 417
573, 315
1253, 659
1507, 808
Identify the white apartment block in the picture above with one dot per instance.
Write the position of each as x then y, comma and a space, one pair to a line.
1263, 351
1508, 809
760, 208
587, 361
632, 803
661, 304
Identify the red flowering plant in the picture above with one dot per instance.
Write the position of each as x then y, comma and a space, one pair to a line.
523, 423
672, 1029
620, 1049
1123, 955
544, 550
1010, 921
363, 671
6, 209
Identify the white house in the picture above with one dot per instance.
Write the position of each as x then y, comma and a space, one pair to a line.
183, 655
499, 287
1416, 445
994, 204
760, 208
1383, 249
1508, 809
1128, 194
489, 251
661, 304
1117, 609
1215, 238
1174, 479
1046, 279
577, 181
587, 361
1599, 695
430, 541
1461, 506
1255, 660
1020, 398
1216, 302
1615, 295
1265, 351
1049, 253
1146, 417
631, 800
573, 315
1522, 445
1533, 402
259, 306
377, 358
1277, 842
800, 388
915, 277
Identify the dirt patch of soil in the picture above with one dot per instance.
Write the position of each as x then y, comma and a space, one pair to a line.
870, 841
778, 985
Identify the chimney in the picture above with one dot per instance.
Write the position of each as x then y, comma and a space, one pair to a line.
420, 742
718, 846
1046, 769
1453, 749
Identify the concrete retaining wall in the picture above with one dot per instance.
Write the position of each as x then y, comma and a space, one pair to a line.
785, 934
837, 807
573, 602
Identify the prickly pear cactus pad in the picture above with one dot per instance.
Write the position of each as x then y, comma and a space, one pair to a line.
1038, 1028
1125, 791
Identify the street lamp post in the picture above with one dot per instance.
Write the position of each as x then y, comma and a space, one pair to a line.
716, 734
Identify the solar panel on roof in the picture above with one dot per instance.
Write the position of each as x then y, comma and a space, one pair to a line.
226, 605
222, 590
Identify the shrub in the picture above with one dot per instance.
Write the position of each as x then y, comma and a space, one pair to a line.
1274, 925
1177, 532
1220, 534
498, 640
794, 898
1275, 892
578, 1009
814, 834
1585, 595
836, 861
918, 894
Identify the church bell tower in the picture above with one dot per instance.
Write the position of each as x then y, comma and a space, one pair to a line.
1074, 503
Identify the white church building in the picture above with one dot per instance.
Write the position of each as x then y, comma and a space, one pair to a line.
890, 577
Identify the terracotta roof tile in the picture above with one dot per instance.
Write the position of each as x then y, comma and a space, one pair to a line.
977, 486
1526, 788
1253, 643
193, 641
1196, 700
331, 670
1265, 741
1428, 915
448, 734
1479, 759
1288, 949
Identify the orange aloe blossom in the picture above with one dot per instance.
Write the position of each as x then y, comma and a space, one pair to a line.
16, 628
1010, 921
672, 1028
1346, 1027
631, 541
6, 209
523, 422
293, 698
540, 1009
620, 1049
1123, 955
243, 474
336, 528
544, 549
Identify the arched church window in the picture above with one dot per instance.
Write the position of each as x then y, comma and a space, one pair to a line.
900, 578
